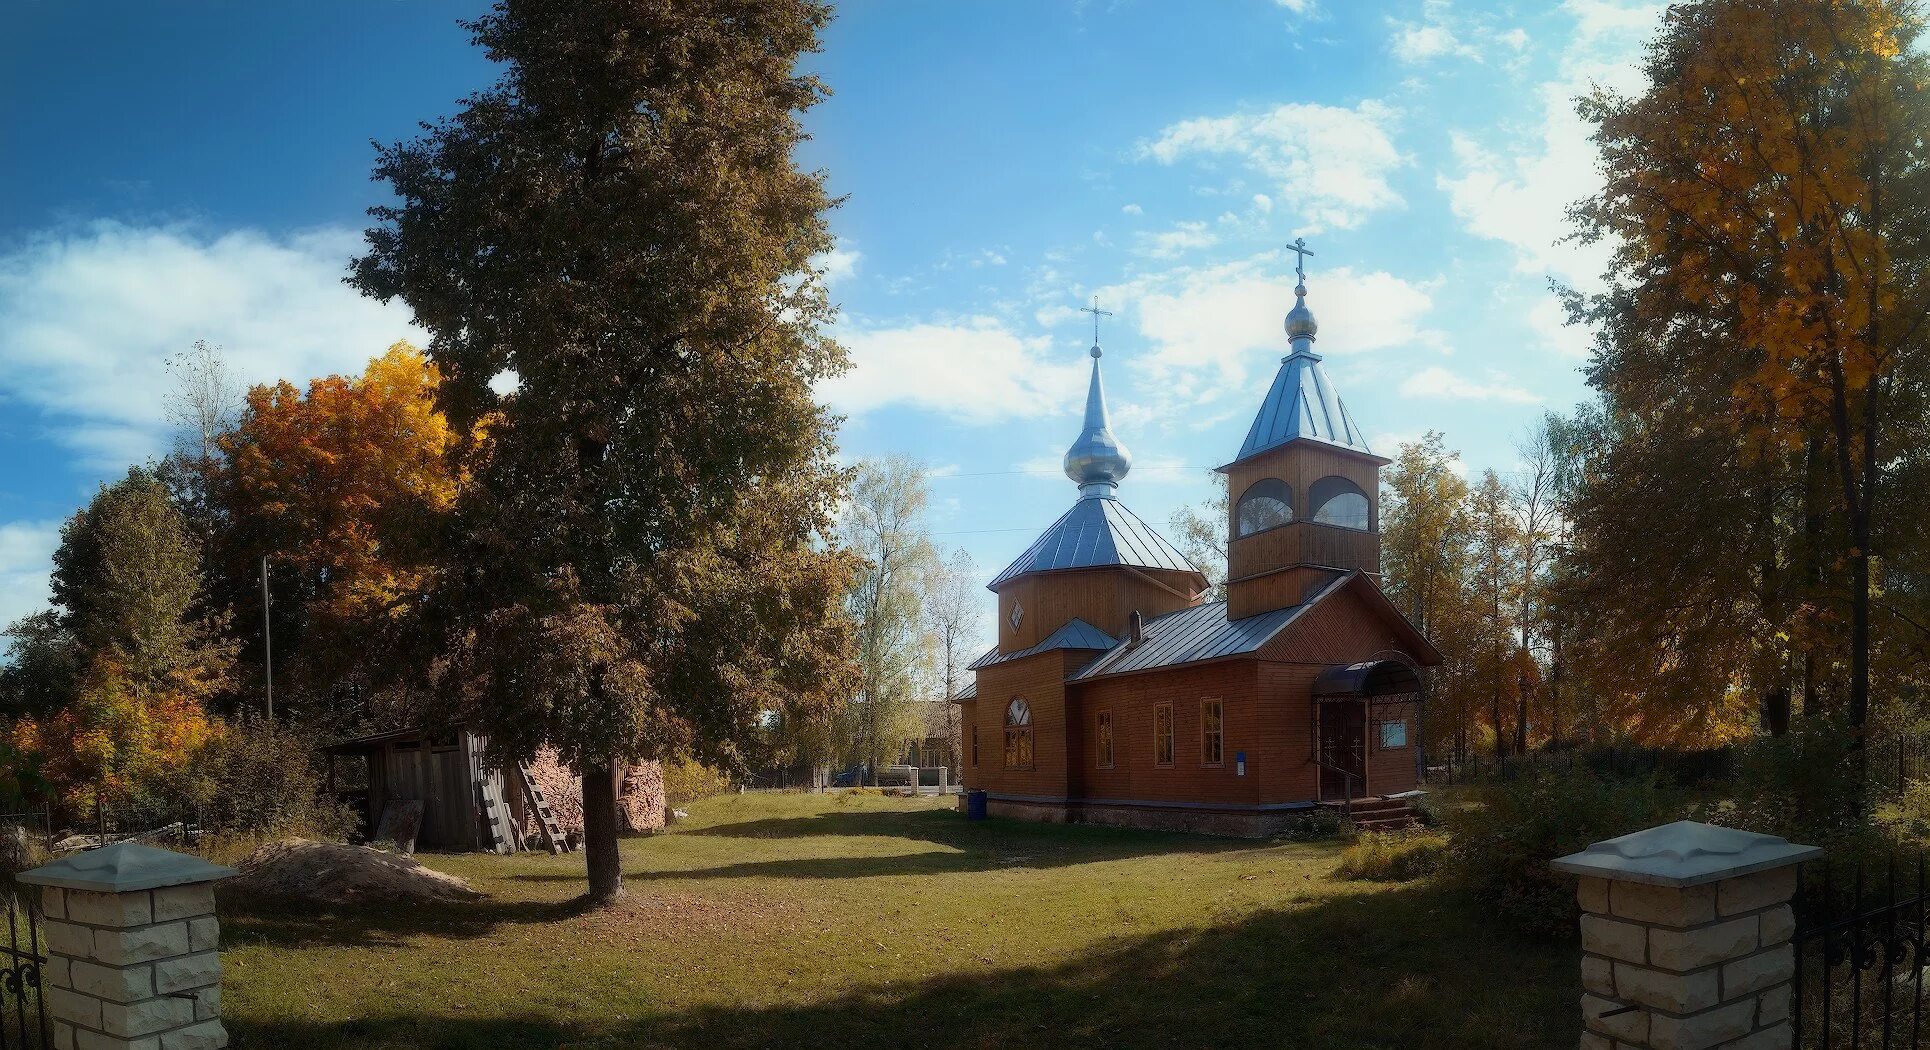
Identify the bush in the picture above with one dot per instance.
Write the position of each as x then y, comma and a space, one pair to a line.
1320, 823
685, 781
1393, 856
264, 778
1505, 835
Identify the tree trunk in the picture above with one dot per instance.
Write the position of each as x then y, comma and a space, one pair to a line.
600, 784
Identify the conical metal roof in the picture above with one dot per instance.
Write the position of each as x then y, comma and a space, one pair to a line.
1302, 402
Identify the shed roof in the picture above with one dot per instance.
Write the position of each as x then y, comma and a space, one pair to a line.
1098, 531
1076, 634
1190, 635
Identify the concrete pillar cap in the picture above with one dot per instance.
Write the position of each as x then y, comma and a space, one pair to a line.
124, 867
1685, 853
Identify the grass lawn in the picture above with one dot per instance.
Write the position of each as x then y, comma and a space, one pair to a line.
810, 920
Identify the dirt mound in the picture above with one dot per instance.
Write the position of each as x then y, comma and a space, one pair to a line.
329, 873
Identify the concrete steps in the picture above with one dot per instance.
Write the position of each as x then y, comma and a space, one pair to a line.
1383, 814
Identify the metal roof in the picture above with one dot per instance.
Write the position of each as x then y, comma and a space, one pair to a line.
1076, 634
1200, 633
970, 692
1097, 531
1302, 404
1368, 678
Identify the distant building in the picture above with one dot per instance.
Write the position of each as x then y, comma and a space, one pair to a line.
1117, 695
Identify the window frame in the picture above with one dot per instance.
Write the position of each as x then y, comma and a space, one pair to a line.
1103, 742
1262, 489
1332, 487
1165, 738
1380, 734
1218, 759
1019, 754
974, 746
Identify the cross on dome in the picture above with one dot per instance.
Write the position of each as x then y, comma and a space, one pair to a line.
1096, 315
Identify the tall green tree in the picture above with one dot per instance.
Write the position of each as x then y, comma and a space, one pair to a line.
618, 232
897, 649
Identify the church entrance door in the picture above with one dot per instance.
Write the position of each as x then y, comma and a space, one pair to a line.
1343, 749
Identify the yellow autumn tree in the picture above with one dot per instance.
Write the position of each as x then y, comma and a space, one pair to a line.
1764, 328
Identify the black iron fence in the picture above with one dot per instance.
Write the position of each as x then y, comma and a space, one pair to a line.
1891, 764
1859, 955
23, 1007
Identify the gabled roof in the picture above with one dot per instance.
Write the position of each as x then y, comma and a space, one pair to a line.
970, 692
1076, 634
1190, 635
1098, 531
1302, 404
1204, 633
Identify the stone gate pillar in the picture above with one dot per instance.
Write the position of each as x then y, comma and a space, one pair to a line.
131, 943
1686, 939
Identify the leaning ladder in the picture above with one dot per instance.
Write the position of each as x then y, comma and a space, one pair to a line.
552, 831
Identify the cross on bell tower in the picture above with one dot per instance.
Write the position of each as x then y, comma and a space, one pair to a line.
1299, 247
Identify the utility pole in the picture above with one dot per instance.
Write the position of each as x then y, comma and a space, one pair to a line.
267, 639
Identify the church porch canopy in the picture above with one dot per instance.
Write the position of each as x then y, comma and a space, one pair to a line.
1369, 679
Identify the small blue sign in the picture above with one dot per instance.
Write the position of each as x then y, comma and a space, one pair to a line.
1239, 763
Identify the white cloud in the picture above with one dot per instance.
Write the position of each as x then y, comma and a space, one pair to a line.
1421, 41
975, 371
1549, 320
1518, 193
1438, 382
1209, 329
26, 552
1133, 209
1334, 163
89, 315
838, 263
1299, 7
1183, 238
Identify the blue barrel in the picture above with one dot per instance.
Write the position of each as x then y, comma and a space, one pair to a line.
975, 805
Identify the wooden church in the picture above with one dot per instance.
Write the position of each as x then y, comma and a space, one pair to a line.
1117, 695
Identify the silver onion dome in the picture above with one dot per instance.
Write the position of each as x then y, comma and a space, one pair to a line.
1097, 462
1300, 322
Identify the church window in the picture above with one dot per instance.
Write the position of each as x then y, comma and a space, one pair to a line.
1018, 736
1212, 733
974, 747
1266, 504
1163, 735
1104, 749
1393, 735
1339, 501
1018, 615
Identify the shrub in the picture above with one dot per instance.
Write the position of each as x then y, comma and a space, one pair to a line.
685, 781
1320, 823
264, 778
1393, 856
1506, 834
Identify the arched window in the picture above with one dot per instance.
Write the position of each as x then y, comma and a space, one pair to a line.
1337, 501
1018, 735
1266, 504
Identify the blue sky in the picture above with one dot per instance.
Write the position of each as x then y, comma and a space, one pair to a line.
199, 171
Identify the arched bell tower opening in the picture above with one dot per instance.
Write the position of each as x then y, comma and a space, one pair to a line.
1304, 491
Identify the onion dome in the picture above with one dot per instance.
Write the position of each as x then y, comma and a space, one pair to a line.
1097, 462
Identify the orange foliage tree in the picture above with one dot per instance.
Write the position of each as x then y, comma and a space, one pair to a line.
341, 487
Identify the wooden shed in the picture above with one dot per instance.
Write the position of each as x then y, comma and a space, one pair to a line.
465, 806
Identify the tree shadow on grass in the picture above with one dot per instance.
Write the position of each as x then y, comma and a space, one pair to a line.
251, 920
1410, 967
964, 846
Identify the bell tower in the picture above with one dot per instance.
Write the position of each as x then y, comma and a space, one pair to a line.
1303, 495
